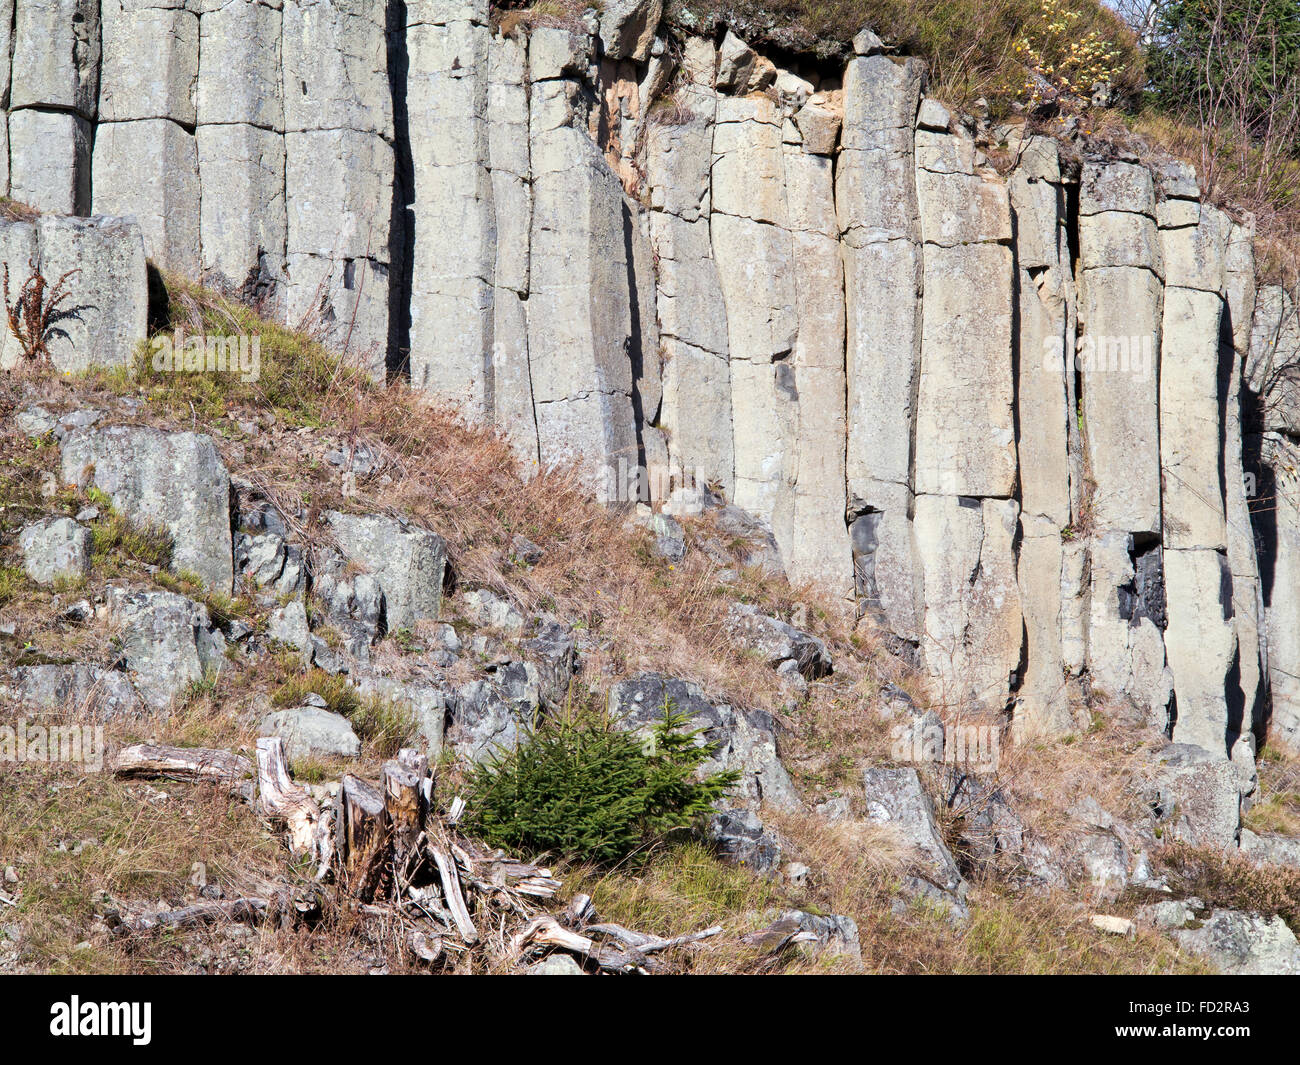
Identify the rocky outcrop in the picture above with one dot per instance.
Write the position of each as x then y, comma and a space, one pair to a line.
174, 481
167, 642
105, 313
1013, 413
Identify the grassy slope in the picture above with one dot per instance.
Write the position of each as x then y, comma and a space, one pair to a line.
596, 572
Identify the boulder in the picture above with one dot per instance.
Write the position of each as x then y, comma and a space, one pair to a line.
1196, 795
1242, 944
495, 714
175, 481
627, 28
743, 740
778, 642
109, 291
167, 641
407, 564
311, 732
425, 697
895, 797
741, 838
54, 548
1270, 848
104, 694
486, 609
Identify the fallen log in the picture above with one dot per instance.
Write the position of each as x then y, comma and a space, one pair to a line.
250, 910
189, 765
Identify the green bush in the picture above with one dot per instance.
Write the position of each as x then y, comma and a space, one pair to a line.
584, 790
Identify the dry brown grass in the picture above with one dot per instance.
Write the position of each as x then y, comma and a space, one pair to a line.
1277, 801
1232, 881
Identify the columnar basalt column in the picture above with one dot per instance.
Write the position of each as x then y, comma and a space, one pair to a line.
577, 343
1121, 308
53, 93
1048, 447
875, 196
965, 466
243, 215
339, 173
696, 413
455, 240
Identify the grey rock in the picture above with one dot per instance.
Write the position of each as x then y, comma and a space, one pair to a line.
427, 699
495, 714
553, 650
836, 934
310, 732
1241, 944
102, 693
1271, 848
670, 539
50, 160
895, 797
173, 480
489, 610
778, 641
1196, 797
35, 421
743, 740
407, 563
288, 624
54, 548
740, 837
736, 62
523, 550
167, 641
56, 51
554, 965
627, 28
867, 43
1170, 915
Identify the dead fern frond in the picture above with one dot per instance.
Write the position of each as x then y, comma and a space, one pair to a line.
34, 315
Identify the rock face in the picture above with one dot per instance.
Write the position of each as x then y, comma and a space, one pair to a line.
175, 481
55, 548
1023, 420
106, 313
310, 732
167, 642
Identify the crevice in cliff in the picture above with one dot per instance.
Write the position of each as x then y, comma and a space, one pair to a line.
401, 216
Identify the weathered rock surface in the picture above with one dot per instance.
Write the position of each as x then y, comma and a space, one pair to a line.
175, 481
744, 741
895, 797
55, 548
405, 566
311, 732
103, 694
167, 642
1242, 944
